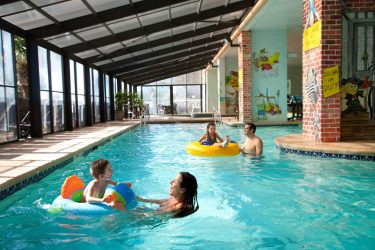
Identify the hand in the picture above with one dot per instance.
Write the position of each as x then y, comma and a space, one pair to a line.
117, 205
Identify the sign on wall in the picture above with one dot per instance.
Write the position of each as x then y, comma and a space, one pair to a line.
312, 36
331, 81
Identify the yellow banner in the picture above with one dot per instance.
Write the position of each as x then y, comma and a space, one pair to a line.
312, 36
331, 81
240, 77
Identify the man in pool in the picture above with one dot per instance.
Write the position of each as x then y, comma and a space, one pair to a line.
253, 144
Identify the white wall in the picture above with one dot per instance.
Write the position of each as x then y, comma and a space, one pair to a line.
212, 89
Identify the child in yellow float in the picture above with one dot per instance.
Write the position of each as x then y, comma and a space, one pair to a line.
212, 138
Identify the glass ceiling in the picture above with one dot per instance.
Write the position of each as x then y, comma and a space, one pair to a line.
112, 34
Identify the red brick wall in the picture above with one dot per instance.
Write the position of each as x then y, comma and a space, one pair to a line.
324, 126
244, 65
361, 5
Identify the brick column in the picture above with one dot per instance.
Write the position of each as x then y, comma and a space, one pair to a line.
244, 77
322, 117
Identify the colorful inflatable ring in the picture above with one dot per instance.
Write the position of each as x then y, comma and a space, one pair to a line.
72, 192
197, 149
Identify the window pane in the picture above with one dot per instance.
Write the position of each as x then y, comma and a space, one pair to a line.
45, 109
58, 111
72, 77
57, 74
74, 114
179, 99
11, 113
96, 82
179, 79
108, 106
1, 60
8, 59
370, 48
164, 82
193, 78
193, 99
164, 98
81, 110
107, 94
149, 97
3, 117
80, 79
96, 110
43, 69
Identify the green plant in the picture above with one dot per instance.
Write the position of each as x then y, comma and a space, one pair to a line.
138, 102
119, 101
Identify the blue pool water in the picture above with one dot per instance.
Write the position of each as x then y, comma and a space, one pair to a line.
281, 201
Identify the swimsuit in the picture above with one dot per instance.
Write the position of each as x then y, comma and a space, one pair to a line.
209, 141
175, 204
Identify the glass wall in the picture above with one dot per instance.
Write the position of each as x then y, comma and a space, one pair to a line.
8, 114
77, 89
107, 98
94, 75
188, 94
51, 91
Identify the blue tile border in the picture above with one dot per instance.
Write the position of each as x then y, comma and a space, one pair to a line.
35, 178
327, 155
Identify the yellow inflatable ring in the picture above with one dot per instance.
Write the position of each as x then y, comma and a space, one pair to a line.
197, 149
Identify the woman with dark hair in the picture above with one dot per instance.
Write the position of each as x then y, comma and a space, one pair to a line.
182, 199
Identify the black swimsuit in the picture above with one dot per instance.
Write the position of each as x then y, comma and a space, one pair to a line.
209, 140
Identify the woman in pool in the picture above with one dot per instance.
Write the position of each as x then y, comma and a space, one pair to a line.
182, 199
212, 138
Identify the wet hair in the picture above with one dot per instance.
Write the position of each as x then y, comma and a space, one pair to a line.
98, 167
189, 183
252, 126
209, 125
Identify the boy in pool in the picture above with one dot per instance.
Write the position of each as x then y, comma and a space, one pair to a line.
212, 138
101, 170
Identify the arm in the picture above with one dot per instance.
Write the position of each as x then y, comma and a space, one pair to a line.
259, 147
151, 200
113, 183
89, 194
218, 137
202, 138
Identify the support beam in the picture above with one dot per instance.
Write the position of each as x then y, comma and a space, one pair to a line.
34, 89
156, 27
67, 94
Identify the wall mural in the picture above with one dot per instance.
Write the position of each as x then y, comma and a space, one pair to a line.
266, 103
353, 95
266, 64
313, 93
231, 91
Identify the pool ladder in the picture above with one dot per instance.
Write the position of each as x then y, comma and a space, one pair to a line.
217, 116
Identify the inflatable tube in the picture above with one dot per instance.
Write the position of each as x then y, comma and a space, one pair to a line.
197, 149
71, 194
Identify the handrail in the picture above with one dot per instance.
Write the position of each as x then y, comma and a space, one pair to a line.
216, 115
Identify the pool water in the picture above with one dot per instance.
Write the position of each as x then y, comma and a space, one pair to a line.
280, 201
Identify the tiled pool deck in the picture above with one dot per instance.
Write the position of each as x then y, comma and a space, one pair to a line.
30, 160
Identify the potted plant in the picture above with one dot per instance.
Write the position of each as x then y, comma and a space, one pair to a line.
119, 102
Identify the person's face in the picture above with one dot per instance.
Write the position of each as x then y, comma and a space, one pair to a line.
211, 130
107, 172
175, 188
247, 130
